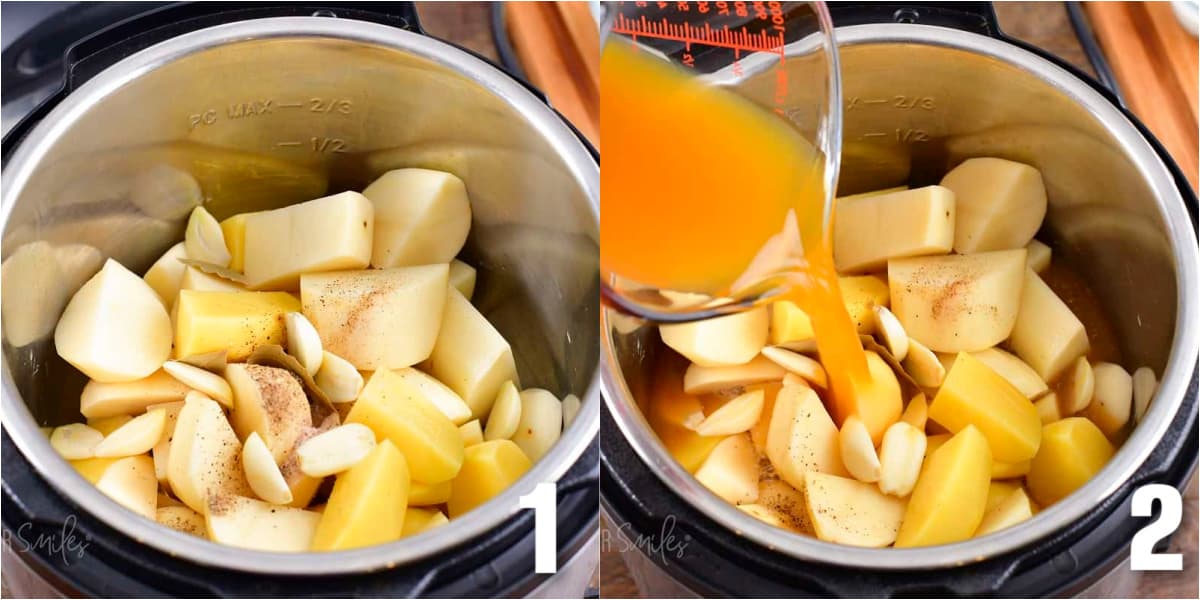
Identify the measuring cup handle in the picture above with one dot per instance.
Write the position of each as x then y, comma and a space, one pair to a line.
100, 50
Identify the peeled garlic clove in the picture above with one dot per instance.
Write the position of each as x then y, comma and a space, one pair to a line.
889, 327
75, 441
262, 473
304, 342
204, 240
570, 409
208, 383
735, 416
900, 456
135, 437
1144, 386
506, 414
807, 368
335, 450
858, 453
340, 381
923, 365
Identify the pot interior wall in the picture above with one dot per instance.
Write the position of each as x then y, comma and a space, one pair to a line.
258, 124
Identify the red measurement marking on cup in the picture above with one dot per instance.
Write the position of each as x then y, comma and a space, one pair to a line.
770, 39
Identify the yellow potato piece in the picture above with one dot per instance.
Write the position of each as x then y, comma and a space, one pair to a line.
1015, 508
1073, 450
378, 318
470, 356
852, 512
195, 279
1019, 374
802, 437
238, 322
999, 470
957, 474
787, 502
789, 323
1001, 204
974, 394
100, 400
131, 482
861, 294
421, 217
368, 502
1046, 335
487, 469
721, 341
248, 523
395, 410
181, 518
471, 432
205, 457
872, 229
428, 494
669, 409
234, 229
92, 469
917, 412
327, 234
107, 425
997, 492
462, 278
731, 470
1047, 407
420, 520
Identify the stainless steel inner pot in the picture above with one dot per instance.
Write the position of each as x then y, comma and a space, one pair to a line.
264, 113
919, 99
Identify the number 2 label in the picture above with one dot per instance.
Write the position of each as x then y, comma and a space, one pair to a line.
544, 503
1141, 550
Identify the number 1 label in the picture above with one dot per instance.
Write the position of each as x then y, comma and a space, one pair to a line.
1141, 550
544, 503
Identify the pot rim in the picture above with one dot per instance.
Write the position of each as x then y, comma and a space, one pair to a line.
20, 424
1130, 456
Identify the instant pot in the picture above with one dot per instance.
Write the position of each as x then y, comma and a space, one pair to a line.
925, 87
251, 106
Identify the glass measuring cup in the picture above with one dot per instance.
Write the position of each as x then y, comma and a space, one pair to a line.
720, 157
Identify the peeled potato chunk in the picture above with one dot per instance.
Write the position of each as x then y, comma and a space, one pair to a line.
418, 520
1013, 369
441, 396
876, 400
100, 400
1046, 335
706, 380
802, 436
1113, 400
721, 341
974, 394
46, 277
181, 518
205, 458
195, 279
1000, 204
487, 469
421, 217
166, 274
428, 494
130, 481
871, 230
271, 402
789, 323
462, 278
238, 322
368, 502
470, 356
1073, 450
861, 294
540, 425
326, 234
377, 319
852, 512
1039, 256
731, 470
395, 410
1013, 509
234, 229
960, 302
736, 416
956, 475
115, 328
257, 525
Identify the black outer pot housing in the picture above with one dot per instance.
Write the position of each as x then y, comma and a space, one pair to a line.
708, 559
113, 565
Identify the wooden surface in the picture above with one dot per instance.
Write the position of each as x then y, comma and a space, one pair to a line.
1157, 66
1047, 26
